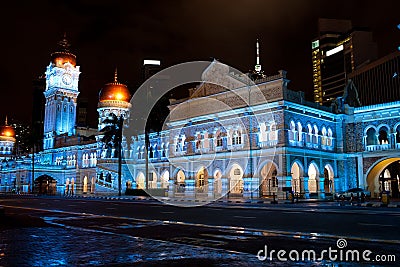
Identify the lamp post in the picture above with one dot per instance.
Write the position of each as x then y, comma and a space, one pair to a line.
250, 144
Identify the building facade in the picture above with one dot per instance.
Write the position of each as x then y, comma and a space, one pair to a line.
255, 140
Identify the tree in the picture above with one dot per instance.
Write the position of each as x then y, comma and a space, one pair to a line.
112, 138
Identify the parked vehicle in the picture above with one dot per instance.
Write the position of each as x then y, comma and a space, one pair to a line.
357, 192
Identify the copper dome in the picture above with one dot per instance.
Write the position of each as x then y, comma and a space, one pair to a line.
7, 131
63, 55
60, 58
115, 91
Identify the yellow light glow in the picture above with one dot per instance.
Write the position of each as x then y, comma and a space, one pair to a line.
119, 96
7, 133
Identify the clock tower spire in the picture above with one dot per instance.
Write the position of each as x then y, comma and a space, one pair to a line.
62, 77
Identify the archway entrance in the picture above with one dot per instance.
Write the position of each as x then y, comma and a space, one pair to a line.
269, 183
313, 174
140, 181
236, 181
180, 182
153, 179
384, 176
297, 173
165, 179
202, 180
217, 183
328, 181
85, 185
45, 185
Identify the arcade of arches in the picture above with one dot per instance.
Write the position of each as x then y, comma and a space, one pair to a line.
312, 184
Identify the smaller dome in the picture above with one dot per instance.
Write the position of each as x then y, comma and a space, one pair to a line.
7, 131
115, 91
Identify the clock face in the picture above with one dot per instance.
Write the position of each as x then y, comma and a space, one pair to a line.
67, 79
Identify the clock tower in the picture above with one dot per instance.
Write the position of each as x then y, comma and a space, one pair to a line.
62, 76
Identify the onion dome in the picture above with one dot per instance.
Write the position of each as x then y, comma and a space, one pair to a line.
7, 131
63, 55
115, 91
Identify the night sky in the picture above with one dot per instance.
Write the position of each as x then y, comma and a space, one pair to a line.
109, 34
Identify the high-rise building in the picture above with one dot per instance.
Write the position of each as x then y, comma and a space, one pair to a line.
39, 86
150, 67
379, 81
338, 50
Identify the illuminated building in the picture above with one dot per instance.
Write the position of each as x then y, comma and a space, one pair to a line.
317, 150
62, 77
7, 140
338, 50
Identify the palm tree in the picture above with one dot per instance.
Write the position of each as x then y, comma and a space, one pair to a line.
112, 137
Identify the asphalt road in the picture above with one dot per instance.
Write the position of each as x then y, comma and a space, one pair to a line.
357, 222
232, 227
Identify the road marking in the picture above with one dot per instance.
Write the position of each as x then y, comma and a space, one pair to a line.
244, 217
71, 205
377, 224
219, 227
110, 208
167, 212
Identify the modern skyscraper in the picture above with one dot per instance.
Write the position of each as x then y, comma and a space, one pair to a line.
150, 67
39, 86
338, 50
379, 81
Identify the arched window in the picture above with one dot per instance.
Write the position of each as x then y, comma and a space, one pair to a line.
272, 134
218, 139
323, 137
315, 136
198, 141
383, 136
371, 137
236, 138
309, 134
292, 132
329, 140
300, 132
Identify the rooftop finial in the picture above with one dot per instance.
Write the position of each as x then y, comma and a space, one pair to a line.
115, 75
64, 42
257, 67
6, 123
